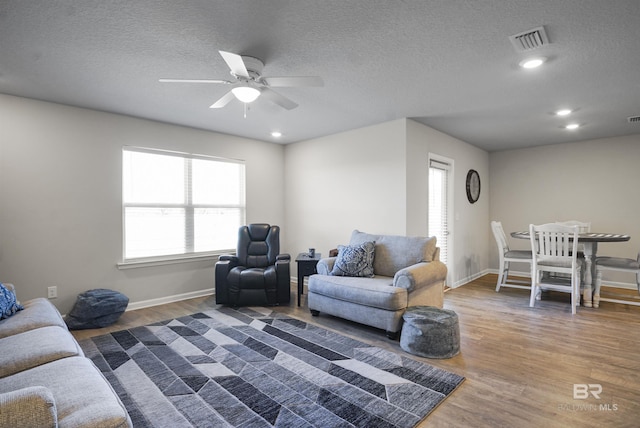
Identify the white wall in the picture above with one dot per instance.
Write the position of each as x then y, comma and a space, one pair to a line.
593, 180
468, 233
61, 198
351, 180
375, 179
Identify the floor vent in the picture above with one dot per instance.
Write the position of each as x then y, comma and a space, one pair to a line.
634, 119
529, 40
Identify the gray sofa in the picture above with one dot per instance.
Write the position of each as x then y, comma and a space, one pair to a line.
407, 272
45, 380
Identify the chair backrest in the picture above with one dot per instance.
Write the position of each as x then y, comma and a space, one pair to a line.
583, 227
396, 252
258, 245
554, 244
501, 238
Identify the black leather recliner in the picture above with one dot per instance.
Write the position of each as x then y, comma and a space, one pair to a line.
257, 274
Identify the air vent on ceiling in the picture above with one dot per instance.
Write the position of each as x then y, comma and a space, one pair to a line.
529, 40
634, 119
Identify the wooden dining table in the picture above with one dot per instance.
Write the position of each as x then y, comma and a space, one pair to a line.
590, 242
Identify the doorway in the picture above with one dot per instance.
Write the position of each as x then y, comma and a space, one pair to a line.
440, 208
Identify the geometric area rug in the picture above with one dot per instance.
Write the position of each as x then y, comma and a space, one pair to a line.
254, 367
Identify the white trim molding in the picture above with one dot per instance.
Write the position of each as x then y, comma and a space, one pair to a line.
170, 299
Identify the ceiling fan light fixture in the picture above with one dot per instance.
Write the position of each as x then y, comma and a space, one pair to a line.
246, 94
563, 112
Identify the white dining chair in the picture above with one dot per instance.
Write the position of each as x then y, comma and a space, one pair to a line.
507, 256
583, 227
619, 264
554, 249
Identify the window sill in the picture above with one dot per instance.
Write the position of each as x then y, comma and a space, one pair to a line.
162, 261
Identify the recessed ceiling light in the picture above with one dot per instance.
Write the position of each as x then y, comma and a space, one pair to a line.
532, 62
276, 134
572, 126
563, 112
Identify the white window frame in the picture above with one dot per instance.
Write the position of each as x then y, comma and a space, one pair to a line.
447, 164
189, 207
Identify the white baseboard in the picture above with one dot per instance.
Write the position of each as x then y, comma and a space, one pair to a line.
470, 278
170, 299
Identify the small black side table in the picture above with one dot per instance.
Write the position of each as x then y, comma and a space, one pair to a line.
306, 267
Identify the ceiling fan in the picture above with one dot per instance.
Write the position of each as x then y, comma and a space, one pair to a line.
249, 84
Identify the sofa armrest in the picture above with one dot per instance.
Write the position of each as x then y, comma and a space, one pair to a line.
325, 266
33, 407
420, 274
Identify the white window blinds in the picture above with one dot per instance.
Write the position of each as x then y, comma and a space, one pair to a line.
438, 202
180, 204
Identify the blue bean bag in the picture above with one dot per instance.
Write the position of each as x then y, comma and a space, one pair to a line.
96, 309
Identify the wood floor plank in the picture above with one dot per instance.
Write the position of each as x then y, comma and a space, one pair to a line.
521, 363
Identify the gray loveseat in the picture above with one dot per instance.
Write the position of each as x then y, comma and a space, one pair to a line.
407, 272
45, 379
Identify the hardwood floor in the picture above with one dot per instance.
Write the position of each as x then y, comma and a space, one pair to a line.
520, 363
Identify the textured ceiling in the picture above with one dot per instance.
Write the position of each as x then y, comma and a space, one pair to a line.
448, 64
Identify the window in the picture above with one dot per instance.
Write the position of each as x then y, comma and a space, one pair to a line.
439, 204
177, 204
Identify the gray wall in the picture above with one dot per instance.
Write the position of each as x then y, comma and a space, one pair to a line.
61, 199
375, 179
338, 183
468, 234
61, 212
592, 181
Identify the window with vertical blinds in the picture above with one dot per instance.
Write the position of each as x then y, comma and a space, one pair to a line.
438, 177
177, 204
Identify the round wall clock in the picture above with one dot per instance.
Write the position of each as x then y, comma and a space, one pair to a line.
473, 185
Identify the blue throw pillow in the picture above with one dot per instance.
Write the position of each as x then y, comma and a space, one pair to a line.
8, 303
354, 260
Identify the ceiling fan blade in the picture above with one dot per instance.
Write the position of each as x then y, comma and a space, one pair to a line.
276, 98
293, 81
235, 63
224, 100
226, 82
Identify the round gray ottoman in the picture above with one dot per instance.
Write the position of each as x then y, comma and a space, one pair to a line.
430, 332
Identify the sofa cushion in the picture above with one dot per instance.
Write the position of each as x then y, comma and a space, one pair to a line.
82, 395
37, 313
9, 305
28, 407
376, 292
354, 260
32, 348
393, 252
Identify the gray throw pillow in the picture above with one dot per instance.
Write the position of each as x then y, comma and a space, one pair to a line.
355, 260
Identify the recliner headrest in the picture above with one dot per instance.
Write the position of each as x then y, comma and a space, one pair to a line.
258, 231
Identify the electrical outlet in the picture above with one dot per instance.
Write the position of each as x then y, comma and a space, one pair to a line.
52, 292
